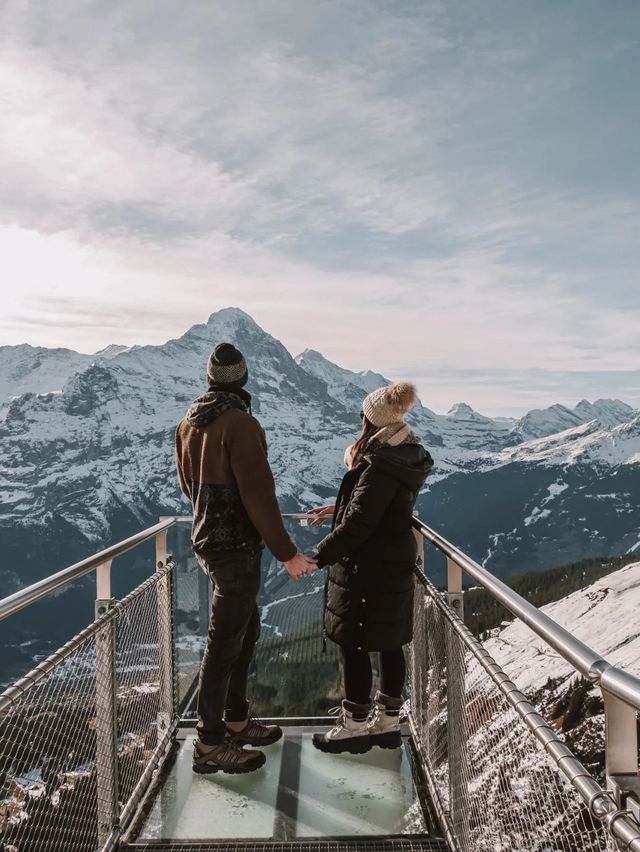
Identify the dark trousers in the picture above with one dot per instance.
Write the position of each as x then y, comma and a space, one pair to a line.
234, 628
358, 676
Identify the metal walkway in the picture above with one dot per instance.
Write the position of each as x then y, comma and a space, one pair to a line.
299, 795
94, 754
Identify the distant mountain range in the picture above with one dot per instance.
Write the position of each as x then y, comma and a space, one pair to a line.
86, 443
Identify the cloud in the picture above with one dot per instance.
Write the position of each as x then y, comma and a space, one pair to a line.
455, 180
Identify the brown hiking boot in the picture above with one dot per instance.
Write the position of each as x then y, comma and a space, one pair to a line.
255, 733
226, 757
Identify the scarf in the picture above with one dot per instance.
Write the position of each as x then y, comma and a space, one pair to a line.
208, 407
394, 435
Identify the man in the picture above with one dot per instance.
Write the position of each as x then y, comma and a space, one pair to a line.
221, 457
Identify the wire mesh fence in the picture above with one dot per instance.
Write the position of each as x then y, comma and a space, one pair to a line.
192, 601
494, 783
139, 628
55, 773
48, 767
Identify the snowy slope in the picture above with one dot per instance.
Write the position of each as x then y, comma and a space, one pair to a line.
604, 615
588, 443
92, 455
34, 369
344, 385
461, 437
540, 423
106, 441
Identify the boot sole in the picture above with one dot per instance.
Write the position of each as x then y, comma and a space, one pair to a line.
228, 770
342, 746
391, 740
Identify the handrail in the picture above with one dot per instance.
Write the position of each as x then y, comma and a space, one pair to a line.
583, 658
42, 588
600, 802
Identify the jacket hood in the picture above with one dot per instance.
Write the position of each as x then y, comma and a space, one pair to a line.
208, 407
408, 463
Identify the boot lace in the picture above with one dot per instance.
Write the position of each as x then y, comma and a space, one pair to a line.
340, 721
228, 750
256, 725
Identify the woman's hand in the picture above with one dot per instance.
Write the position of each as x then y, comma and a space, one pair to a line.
323, 513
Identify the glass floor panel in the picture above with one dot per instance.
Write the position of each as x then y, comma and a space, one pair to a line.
299, 793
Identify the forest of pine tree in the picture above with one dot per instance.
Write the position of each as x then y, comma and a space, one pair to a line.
482, 613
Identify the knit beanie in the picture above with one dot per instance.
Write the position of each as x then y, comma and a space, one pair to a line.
226, 366
389, 405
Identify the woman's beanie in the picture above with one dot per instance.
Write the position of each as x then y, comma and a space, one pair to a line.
389, 405
227, 366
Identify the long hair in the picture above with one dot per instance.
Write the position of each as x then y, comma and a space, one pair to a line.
368, 431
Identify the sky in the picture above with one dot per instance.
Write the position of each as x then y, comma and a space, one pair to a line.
446, 191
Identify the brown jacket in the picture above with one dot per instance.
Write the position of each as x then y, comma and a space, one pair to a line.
223, 469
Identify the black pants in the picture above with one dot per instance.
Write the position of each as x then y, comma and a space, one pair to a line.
234, 628
358, 676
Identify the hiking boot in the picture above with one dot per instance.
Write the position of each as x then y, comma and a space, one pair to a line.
348, 734
384, 723
255, 733
226, 757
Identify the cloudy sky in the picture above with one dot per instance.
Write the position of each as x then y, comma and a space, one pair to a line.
445, 190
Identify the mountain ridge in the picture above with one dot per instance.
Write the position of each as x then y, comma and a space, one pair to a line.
96, 454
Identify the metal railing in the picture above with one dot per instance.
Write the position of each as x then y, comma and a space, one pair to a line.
82, 734
464, 684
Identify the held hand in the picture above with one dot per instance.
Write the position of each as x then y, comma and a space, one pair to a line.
323, 513
300, 566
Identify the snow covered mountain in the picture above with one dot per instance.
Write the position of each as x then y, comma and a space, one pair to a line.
34, 369
86, 444
540, 423
344, 385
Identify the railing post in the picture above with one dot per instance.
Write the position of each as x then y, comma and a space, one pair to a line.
106, 710
165, 638
456, 713
455, 595
621, 752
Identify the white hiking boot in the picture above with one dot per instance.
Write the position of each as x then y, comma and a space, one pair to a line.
384, 723
347, 734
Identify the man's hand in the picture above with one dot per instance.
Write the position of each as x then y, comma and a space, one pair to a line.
300, 566
324, 513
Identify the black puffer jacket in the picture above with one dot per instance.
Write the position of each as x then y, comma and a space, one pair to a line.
371, 550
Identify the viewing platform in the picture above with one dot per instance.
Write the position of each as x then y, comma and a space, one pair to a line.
96, 740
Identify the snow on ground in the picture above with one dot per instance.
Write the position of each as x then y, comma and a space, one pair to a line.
539, 513
603, 615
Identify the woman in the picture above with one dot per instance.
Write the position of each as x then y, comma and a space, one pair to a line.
371, 555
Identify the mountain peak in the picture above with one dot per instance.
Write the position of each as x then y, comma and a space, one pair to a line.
460, 409
228, 324
233, 316
310, 355
111, 350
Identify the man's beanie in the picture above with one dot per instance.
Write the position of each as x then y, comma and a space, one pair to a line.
227, 366
389, 405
